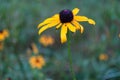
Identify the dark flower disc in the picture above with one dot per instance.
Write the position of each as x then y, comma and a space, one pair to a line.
66, 16
1, 31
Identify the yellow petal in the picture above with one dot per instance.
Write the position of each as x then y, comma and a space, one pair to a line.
63, 34
45, 22
83, 18
75, 11
2, 37
47, 26
56, 16
58, 26
70, 27
76, 24
81, 28
80, 18
49, 20
43, 29
91, 21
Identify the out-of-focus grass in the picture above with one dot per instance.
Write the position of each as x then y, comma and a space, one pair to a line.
21, 19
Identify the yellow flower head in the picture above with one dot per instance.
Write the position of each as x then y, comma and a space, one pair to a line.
66, 19
37, 62
46, 40
33, 48
3, 34
103, 57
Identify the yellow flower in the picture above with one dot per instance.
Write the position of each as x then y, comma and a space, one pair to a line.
3, 34
1, 46
66, 19
33, 48
103, 57
37, 62
46, 40
119, 35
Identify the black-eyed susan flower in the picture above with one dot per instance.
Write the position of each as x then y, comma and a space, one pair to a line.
37, 62
33, 48
3, 34
46, 40
66, 19
103, 57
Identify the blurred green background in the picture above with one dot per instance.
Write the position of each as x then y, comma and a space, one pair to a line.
21, 18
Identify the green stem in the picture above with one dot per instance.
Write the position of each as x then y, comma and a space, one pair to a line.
70, 58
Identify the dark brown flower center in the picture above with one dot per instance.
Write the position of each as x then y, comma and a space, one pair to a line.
1, 31
66, 16
37, 60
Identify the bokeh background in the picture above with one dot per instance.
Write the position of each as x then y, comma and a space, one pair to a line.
95, 53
